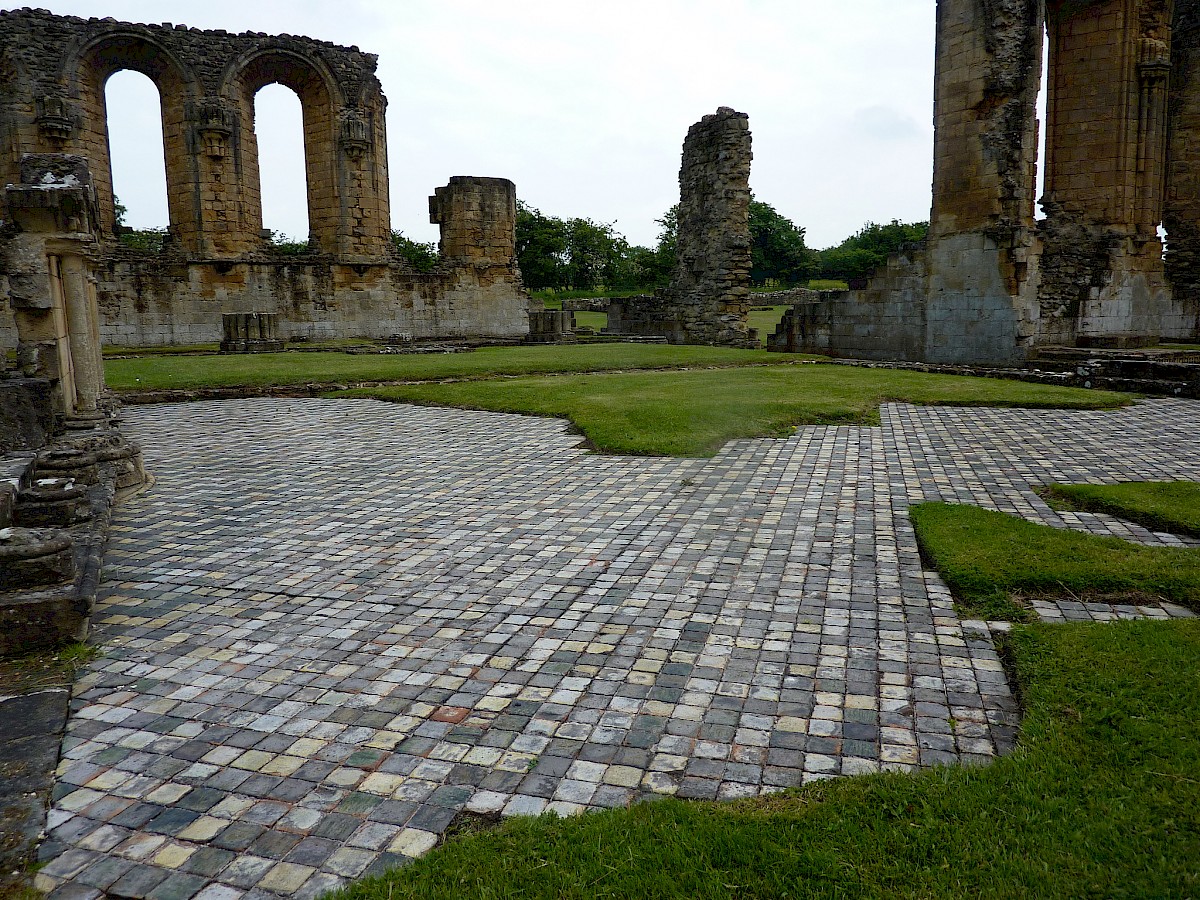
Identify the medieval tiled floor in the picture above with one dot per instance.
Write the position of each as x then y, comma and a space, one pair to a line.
332, 625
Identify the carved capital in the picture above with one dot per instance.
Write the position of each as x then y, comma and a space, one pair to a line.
55, 119
213, 122
354, 134
1154, 59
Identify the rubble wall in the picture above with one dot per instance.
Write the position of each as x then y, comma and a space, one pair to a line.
708, 298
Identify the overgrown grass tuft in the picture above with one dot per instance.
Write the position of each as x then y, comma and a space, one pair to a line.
1172, 506
694, 413
988, 558
45, 669
1101, 800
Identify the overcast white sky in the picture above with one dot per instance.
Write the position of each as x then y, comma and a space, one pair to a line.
585, 104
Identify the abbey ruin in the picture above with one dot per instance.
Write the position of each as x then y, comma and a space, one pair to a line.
217, 258
992, 284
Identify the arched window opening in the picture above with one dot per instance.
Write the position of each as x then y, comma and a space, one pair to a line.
137, 158
283, 178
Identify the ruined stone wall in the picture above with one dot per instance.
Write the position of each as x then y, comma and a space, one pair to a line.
966, 294
707, 301
218, 259
53, 70
1102, 272
990, 286
886, 320
1181, 215
151, 299
155, 302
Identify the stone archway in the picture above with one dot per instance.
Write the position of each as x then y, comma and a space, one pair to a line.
84, 75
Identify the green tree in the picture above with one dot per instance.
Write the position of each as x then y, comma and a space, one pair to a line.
578, 254
541, 248
656, 266
777, 250
865, 251
591, 248
421, 256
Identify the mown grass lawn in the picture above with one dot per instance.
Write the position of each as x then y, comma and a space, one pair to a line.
1101, 799
694, 413
766, 320
163, 372
1172, 506
988, 558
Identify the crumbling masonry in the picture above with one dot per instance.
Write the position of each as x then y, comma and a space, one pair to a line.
707, 300
350, 282
991, 285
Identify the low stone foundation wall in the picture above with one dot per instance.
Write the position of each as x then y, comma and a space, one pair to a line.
151, 299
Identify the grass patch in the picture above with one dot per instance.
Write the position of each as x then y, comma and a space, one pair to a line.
1172, 506
44, 670
766, 320
1101, 800
991, 559
826, 284
589, 319
553, 298
693, 413
261, 369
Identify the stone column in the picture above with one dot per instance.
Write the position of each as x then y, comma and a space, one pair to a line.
1181, 215
50, 279
710, 287
1102, 275
986, 82
365, 218
82, 331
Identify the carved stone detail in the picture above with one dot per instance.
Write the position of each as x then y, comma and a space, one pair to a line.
55, 119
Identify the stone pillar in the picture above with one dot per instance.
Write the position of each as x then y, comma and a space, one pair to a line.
220, 153
710, 287
1102, 274
986, 82
1181, 215
478, 219
250, 333
83, 331
51, 287
365, 214
1108, 69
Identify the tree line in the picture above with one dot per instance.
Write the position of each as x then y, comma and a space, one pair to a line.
579, 254
583, 255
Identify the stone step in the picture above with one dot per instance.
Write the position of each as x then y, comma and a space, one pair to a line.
15, 471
